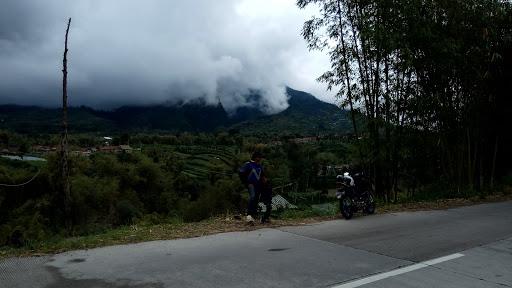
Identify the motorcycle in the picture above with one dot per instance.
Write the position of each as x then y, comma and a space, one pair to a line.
354, 195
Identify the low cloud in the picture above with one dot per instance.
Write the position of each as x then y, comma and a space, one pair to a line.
145, 52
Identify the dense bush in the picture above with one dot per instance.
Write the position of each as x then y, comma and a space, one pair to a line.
174, 177
108, 190
164, 183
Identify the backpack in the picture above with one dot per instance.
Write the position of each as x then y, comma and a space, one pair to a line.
243, 174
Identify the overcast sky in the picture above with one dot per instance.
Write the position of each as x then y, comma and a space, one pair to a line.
154, 51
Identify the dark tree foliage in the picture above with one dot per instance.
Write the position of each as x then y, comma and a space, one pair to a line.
431, 79
186, 177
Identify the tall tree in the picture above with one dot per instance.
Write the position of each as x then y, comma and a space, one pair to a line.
428, 69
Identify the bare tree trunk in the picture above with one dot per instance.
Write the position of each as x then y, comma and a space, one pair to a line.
387, 122
375, 131
493, 168
347, 74
358, 55
480, 172
470, 171
368, 99
64, 140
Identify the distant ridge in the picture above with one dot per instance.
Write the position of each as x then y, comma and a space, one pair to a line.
305, 115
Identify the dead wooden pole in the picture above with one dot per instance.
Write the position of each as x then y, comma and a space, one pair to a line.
64, 139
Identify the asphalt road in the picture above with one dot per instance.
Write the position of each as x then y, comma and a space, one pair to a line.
463, 247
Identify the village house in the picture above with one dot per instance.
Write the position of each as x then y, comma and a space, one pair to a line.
116, 149
44, 149
305, 140
86, 152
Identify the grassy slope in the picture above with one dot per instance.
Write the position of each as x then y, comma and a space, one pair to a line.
202, 161
173, 229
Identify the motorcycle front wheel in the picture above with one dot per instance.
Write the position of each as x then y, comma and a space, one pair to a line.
346, 208
369, 205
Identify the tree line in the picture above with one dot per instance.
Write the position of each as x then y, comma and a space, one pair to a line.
430, 78
154, 185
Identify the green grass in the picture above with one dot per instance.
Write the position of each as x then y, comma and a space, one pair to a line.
326, 209
152, 227
143, 231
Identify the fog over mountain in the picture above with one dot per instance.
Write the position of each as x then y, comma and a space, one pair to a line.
148, 52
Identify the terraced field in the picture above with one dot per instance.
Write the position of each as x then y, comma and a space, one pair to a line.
203, 161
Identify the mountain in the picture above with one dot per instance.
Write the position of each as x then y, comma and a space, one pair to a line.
187, 117
306, 115
32, 119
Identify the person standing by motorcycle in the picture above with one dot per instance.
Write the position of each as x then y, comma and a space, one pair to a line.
252, 176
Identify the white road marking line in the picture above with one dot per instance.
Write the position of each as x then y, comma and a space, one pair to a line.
399, 271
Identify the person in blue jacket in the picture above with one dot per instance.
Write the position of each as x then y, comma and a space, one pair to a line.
253, 177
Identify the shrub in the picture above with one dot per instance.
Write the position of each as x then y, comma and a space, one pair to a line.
215, 200
126, 212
